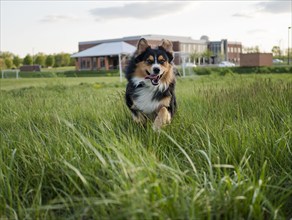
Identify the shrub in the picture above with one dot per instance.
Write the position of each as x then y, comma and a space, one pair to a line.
203, 71
263, 70
224, 71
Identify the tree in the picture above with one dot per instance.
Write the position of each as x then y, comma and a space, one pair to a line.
208, 54
16, 61
27, 60
65, 59
2, 65
194, 56
40, 59
255, 49
50, 61
276, 51
8, 63
58, 60
6, 54
72, 61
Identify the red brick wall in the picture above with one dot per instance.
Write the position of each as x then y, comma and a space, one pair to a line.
234, 51
256, 59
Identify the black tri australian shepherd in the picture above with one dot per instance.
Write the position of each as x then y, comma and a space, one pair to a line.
151, 83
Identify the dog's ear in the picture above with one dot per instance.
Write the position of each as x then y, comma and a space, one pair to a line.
142, 46
167, 46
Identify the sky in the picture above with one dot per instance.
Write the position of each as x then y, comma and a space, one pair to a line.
29, 27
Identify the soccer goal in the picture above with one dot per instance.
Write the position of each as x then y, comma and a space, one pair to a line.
10, 74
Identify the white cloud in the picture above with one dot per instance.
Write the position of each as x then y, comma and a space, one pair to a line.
57, 18
139, 10
275, 6
271, 7
257, 31
242, 15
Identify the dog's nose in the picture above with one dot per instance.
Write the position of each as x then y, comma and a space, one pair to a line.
156, 70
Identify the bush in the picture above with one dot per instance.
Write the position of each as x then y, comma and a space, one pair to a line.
89, 73
203, 71
263, 70
37, 75
224, 71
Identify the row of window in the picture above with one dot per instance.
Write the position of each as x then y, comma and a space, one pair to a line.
216, 48
85, 64
189, 48
234, 50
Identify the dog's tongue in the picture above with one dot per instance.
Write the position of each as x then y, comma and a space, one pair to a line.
152, 77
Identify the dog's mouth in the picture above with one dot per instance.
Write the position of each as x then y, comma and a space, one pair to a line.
154, 78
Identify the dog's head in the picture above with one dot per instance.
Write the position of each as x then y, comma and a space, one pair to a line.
154, 65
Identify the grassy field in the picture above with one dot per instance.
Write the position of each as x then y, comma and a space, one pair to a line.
69, 150
11, 84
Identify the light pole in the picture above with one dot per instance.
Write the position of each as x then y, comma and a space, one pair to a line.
289, 45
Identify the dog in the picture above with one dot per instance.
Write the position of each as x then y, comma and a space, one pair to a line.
150, 91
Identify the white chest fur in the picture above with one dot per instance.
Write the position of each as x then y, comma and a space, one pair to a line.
144, 100
144, 96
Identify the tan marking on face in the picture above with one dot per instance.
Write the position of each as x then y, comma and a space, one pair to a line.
168, 75
140, 70
161, 59
151, 58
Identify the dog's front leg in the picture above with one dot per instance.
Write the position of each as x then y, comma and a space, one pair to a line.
138, 117
163, 117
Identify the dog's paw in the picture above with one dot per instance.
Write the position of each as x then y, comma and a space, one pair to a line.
163, 117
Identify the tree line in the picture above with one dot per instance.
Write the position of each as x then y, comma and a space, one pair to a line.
9, 60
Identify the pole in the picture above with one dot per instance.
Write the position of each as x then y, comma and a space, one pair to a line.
289, 45
120, 68
184, 65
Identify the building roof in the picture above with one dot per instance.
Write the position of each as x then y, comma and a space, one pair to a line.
107, 49
147, 37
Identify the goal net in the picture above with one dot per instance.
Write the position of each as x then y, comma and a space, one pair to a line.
10, 74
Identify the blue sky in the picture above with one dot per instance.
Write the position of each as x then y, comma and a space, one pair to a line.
58, 26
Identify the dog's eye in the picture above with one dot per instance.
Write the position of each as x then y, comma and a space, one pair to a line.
161, 61
149, 61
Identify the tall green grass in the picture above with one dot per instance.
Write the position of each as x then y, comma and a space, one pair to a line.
73, 152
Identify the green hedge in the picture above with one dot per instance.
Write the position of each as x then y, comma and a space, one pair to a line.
89, 73
197, 70
37, 74
70, 73
241, 70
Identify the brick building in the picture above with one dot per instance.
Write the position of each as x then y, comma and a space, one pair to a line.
256, 59
183, 47
225, 50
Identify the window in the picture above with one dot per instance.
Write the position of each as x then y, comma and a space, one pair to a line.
102, 62
94, 63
